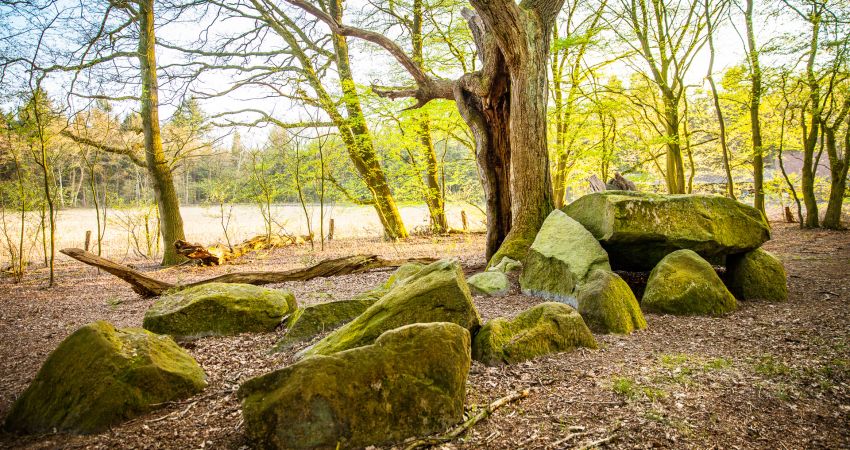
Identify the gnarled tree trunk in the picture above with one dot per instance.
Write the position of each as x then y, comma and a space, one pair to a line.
504, 104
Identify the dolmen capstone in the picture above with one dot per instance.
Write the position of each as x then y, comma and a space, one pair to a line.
639, 229
99, 376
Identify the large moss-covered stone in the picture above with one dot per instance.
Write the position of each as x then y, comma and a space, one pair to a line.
490, 282
560, 258
757, 275
218, 309
543, 329
683, 283
410, 382
608, 304
437, 293
638, 229
100, 376
307, 323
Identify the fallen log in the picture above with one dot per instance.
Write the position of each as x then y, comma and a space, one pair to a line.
150, 287
219, 254
197, 252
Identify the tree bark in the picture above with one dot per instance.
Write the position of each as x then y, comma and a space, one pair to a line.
363, 152
433, 194
838, 168
675, 165
755, 101
171, 222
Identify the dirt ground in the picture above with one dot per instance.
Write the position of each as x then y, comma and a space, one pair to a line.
767, 376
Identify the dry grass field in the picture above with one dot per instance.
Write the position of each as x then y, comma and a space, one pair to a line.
204, 225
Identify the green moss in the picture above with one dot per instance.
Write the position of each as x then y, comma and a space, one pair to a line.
608, 304
543, 329
639, 229
402, 274
306, 323
100, 376
437, 293
410, 382
514, 247
757, 275
685, 284
218, 309
490, 282
562, 255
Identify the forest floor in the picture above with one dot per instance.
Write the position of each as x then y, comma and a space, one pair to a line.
767, 376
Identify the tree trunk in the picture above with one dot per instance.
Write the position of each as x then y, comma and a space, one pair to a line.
489, 124
515, 148
433, 194
838, 168
675, 165
171, 223
755, 101
730, 184
362, 152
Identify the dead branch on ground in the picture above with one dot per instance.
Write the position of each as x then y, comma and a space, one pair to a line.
151, 287
462, 428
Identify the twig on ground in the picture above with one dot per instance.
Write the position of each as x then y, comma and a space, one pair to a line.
597, 442
460, 429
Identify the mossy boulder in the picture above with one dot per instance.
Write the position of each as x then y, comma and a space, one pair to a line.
410, 382
560, 258
756, 275
506, 265
402, 274
490, 282
437, 293
99, 376
218, 309
639, 229
683, 283
543, 329
306, 323
608, 305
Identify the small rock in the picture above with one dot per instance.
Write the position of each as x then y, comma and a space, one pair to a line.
560, 258
437, 293
491, 282
218, 309
608, 304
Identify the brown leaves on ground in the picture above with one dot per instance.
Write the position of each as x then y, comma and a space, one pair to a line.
767, 376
